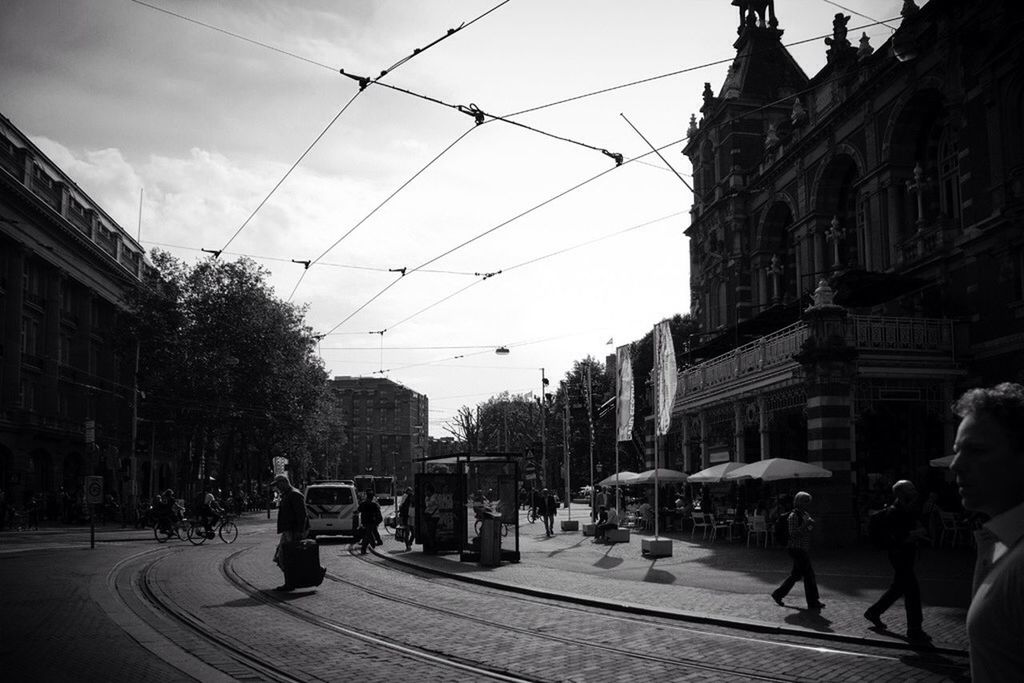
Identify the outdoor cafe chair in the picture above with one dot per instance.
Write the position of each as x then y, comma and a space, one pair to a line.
951, 527
723, 524
701, 521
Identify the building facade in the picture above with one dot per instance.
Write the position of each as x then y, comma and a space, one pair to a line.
857, 248
66, 375
385, 427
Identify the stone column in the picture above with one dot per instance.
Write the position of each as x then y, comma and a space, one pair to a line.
11, 369
762, 419
704, 457
738, 424
829, 364
685, 426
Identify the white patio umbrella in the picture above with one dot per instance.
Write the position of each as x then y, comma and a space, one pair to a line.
664, 476
713, 474
944, 461
624, 478
773, 469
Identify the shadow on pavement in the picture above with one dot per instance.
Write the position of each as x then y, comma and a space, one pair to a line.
809, 619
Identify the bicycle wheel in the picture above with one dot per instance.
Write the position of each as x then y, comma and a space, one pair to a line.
196, 534
531, 516
476, 527
228, 532
504, 529
161, 535
182, 529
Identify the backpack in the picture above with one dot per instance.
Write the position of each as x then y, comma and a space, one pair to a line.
879, 529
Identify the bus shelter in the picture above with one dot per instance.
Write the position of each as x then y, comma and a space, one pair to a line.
469, 494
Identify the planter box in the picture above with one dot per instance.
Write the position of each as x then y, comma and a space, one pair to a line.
589, 529
656, 547
570, 525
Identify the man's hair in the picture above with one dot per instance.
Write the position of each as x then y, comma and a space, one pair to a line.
1004, 403
802, 498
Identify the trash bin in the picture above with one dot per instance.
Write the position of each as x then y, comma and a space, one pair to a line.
490, 542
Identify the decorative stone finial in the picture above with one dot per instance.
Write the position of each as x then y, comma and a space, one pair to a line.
799, 114
692, 130
910, 8
865, 48
708, 93
756, 14
771, 138
838, 42
824, 295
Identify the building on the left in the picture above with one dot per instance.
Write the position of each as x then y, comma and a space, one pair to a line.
67, 376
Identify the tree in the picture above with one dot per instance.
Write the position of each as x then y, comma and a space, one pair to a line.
233, 367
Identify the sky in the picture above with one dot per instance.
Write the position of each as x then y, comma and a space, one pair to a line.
230, 123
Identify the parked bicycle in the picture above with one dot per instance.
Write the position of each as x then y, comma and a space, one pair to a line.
225, 528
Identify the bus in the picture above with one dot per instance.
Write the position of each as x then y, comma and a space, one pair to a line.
382, 487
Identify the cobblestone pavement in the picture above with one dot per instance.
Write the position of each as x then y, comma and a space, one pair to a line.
59, 604
726, 582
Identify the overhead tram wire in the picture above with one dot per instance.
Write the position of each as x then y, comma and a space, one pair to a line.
260, 257
678, 72
537, 259
362, 87
577, 186
862, 16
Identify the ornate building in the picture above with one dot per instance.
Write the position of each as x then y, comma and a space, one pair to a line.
66, 380
857, 251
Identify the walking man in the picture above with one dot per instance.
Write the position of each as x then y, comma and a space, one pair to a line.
291, 521
548, 510
800, 525
902, 532
369, 517
989, 469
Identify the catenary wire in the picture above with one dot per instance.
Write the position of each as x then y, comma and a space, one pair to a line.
859, 14
577, 186
678, 72
535, 260
329, 125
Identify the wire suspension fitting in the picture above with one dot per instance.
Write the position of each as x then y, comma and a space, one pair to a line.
305, 264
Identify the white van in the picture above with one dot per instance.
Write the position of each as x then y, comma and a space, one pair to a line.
331, 507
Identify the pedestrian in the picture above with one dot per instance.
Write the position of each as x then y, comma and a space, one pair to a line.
607, 518
902, 531
291, 520
369, 517
800, 523
548, 510
989, 468
407, 517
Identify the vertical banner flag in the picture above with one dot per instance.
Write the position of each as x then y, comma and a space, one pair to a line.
623, 394
665, 376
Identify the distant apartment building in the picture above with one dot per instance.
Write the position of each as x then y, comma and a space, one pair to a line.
66, 379
385, 427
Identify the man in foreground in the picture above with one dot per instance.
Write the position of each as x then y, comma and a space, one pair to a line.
800, 526
989, 469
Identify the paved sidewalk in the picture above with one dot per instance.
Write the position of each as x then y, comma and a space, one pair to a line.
724, 582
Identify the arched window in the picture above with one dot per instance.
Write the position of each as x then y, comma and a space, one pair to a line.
707, 173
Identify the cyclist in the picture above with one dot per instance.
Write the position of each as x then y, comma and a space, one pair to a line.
163, 510
209, 512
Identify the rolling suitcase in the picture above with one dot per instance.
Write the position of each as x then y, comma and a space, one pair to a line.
301, 563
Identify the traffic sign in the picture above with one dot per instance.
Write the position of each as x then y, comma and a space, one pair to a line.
94, 489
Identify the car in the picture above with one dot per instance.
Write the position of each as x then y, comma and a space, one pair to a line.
331, 507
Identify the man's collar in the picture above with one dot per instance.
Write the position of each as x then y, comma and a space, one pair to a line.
1008, 526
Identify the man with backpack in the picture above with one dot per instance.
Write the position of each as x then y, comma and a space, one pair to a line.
897, 529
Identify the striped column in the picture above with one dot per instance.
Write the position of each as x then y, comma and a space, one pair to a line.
828, 424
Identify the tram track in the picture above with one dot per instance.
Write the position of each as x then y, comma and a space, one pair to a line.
459, 661
883, 653
259, 665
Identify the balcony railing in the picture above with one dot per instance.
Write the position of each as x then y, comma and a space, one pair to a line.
868, 334
762, 354
879, 333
